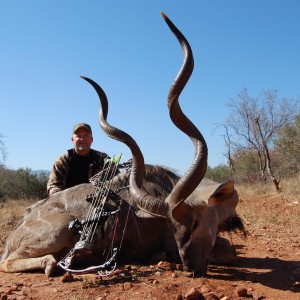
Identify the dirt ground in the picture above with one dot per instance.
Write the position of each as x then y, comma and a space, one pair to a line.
267, 267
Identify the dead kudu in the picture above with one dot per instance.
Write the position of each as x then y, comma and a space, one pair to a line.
162, 212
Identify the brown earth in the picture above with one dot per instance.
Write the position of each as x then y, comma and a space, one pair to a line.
267, 267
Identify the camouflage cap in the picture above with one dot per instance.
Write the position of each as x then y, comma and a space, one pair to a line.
82, 125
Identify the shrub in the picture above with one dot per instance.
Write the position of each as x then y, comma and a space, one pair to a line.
22, 184
220, 173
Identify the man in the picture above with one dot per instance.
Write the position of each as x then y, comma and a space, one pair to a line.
78, 164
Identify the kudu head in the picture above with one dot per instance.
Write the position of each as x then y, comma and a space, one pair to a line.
192, 214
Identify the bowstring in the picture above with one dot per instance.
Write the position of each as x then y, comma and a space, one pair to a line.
113, 232
108, 184
99, 199
102, 182
87, 228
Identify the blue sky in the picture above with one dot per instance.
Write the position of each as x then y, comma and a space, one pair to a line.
126, 47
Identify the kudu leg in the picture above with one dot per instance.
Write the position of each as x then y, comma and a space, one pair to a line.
47, 263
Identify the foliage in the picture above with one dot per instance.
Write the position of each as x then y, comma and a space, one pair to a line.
247, 171
22, 184
246, 166
2, 151
288, 147
220, 173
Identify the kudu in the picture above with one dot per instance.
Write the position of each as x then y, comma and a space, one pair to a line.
166, 213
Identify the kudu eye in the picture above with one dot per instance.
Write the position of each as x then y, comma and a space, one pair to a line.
195, 225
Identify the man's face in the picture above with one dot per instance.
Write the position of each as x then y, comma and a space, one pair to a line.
82, 140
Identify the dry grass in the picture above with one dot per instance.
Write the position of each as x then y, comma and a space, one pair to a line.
290, 189
262, 207
11, 212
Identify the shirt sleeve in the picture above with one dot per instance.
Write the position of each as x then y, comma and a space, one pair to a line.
58, 175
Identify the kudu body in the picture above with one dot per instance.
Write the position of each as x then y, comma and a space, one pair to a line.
180, 216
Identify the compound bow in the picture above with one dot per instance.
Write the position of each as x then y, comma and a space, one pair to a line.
97, 216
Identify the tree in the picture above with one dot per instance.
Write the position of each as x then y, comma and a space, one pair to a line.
22, 184
2, 150
246, 166
220, 173
255, 123
287, 145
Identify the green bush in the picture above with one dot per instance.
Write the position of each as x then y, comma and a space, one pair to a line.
22, 184
220, 173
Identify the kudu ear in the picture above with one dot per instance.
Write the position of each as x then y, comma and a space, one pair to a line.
180, 211
221, 194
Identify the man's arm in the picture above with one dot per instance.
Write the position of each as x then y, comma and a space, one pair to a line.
58, 176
